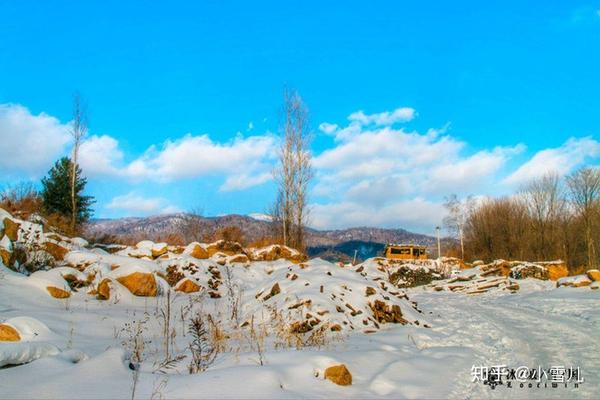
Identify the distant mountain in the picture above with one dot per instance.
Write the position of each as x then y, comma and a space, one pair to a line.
337, 245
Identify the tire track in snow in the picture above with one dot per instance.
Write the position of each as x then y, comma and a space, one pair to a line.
504, 332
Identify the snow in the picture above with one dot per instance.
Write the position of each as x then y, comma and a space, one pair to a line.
32, 345
261, 217
81, 347
6, 244
52, 278
82, 354
22, 353
574, 280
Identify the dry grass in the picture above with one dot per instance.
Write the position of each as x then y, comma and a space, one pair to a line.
21, 200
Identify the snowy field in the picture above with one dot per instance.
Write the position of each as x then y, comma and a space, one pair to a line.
85, 351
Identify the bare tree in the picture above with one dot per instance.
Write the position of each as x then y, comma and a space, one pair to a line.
545, 204
294, 172
458, 212
497, 228
79, 129
584, 190
191, 226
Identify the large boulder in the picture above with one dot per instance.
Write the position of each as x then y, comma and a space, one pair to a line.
238, 259
103, 290
58, 293
159, 249
225, 247
9, 334
186, 285
593, 274
6, 251
56, 250
339, 375
11, 229
149, 248
196, 250
140, 283
276, 252
52, 281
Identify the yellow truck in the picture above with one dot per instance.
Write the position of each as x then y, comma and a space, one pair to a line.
405, 252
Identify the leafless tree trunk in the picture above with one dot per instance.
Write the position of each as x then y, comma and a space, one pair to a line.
458, 212
584, 188
545, 204
79, 129
294, 172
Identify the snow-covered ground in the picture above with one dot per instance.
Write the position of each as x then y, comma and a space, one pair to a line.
86, 350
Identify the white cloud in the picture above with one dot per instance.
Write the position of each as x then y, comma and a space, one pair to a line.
413, 214
139, 205
561, 160
403, 114
30, 143
328, 128
100, 155
244, 181
382, 176
243, 162
471, 171
193, 156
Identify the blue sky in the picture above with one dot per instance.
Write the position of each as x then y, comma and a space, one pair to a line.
184, 100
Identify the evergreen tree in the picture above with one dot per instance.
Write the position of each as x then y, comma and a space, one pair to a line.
56, 192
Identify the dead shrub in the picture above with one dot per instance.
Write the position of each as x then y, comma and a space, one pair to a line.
230, 234
21, 200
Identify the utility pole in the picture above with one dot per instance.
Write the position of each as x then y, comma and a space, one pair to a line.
354, 259
437, 229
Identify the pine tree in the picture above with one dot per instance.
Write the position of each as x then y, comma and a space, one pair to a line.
56, 192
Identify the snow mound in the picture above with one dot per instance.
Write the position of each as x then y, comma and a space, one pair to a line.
32, 345
22, 353
30, 329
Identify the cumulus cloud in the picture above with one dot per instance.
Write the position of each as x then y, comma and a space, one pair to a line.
414, 214
388, 160
471, 171
243, 162
30, 143
100, 155
402, 114
139, 205
377, 175
193, 156
561, 160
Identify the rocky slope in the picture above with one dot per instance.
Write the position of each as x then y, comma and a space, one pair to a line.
331, 245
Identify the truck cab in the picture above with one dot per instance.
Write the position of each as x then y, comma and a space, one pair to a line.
405, 252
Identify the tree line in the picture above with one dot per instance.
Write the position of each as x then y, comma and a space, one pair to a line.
548, 218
